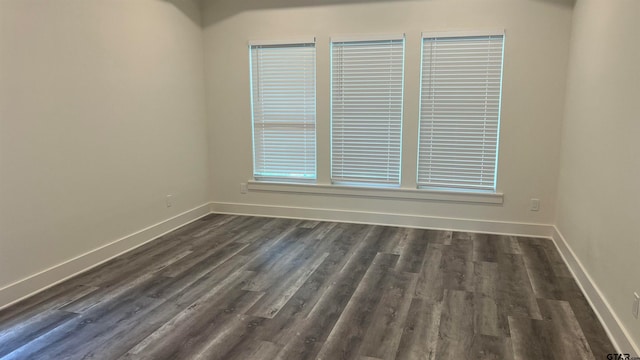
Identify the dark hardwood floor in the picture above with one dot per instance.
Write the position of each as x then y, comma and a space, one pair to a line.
236, 287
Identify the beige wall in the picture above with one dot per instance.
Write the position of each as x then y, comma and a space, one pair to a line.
598, 193
536, 54
101, 115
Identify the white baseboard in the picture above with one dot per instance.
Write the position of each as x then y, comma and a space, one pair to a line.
36, 283
378, 218
619, 336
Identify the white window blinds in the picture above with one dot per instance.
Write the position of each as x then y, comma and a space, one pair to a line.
460, 112
283, 89
366, 110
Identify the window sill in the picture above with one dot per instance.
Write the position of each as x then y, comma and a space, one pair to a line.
378, 192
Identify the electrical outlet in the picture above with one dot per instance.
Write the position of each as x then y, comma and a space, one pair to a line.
535, 204
169, 200
243, 188
636, 305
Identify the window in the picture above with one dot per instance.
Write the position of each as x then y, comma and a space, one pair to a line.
460, 112
283, 96
366, 110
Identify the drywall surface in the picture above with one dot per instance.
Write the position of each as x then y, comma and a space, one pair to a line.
598, 193
101, 116
536, 53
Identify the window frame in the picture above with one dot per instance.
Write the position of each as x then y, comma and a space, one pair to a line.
460, 34
364, 39
301, 42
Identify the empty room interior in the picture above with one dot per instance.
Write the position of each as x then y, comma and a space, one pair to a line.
319, 179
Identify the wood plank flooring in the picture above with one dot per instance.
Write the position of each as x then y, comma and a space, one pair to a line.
239, 287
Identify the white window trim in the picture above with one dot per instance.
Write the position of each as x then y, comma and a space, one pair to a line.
366, 38
361, 37
288, 42
493, 198
304, 40
464, 33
